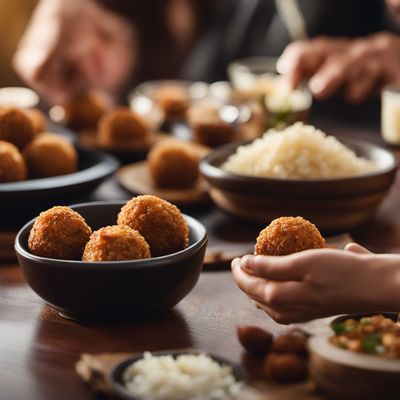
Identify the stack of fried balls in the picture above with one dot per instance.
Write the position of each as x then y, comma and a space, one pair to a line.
147, 226
27, 151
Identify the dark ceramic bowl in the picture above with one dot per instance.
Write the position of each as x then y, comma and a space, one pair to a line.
115, 377
331, 204
119, 289
22, 200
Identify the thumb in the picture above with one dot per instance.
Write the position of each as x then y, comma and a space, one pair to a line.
356, 248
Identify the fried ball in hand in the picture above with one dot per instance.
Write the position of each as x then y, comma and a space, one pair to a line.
174, 164
158, 221
38, 120
59, 233
12, 164
50, 155
85, 110
116, 243
123, 128
15, 126
287, 235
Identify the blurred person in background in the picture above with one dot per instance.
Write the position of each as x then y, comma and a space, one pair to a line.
350, 48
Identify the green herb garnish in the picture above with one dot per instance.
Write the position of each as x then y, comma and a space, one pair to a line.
372, 343
341, 328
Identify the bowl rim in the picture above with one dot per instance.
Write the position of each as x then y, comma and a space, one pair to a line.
216, 172
321, 345
124, 264
106, 166
119, 367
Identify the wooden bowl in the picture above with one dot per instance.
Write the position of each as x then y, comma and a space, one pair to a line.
331, 204
344, 375
130, 289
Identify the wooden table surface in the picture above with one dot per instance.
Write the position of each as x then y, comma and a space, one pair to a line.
38, 348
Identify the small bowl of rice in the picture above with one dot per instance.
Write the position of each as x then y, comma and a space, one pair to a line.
335, 182
176, 375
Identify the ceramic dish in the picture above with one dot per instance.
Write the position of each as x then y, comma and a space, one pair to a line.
22, 200
115, 377
112, 290
136, 179
361, 376
333, 205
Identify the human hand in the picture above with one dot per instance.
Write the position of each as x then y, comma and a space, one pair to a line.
320, 283
358, 67
72, 46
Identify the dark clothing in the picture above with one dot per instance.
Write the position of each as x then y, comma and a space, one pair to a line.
253, 27
241, 28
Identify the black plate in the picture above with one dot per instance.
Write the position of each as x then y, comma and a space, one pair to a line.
116, 381
22, 200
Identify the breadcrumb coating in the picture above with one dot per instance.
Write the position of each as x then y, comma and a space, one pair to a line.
16, 126
158, 221
116, 243
59, 233
287, 235
12, 164
50, 155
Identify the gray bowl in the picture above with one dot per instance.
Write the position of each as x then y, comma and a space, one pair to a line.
113, 290
332, 204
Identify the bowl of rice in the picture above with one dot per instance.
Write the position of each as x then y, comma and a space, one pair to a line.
177, 375
336, 182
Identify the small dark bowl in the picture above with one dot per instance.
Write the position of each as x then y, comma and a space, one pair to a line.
20, 201
113, 290
332, 204
115, 377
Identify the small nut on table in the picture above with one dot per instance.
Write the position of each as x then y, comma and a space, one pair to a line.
255, 340
285, 367
291, 343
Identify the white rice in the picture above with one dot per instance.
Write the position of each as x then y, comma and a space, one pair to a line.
298, 152
186, 377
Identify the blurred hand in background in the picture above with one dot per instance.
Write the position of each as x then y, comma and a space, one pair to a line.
70, 46
356, 67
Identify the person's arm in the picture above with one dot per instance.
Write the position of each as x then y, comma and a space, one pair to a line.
320, 283
357, 68
73, 45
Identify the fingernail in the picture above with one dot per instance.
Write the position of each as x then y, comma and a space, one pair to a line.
317, 85
236, 263
246, 264
282, 66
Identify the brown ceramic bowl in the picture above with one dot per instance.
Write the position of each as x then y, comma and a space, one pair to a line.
333, 205
119, 289
344, 375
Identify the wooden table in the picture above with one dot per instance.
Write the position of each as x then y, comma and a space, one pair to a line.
38, 348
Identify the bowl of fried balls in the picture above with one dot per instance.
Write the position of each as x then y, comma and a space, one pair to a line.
114, 259
42, 165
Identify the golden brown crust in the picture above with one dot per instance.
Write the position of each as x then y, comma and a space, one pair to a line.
12, 164
160, 222
116, 243
38, 120
16, 126
287, 235
50, 155
85, 110
59, 233
122, 127
173, 164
